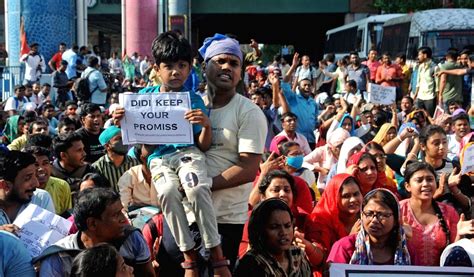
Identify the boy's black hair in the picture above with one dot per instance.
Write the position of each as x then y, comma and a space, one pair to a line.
461, 116
169, 47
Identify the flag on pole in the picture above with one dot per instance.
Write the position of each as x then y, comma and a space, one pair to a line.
24, 49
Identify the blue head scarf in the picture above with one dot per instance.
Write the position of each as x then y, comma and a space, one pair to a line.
346, 115
220, 44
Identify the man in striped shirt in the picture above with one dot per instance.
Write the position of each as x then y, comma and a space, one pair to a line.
115, 162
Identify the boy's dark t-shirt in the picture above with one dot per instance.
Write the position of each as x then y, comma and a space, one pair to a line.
94, 150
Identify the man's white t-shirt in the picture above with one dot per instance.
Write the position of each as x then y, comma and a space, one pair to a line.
14, 104
238, 127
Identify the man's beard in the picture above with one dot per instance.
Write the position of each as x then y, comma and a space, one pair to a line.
14, 196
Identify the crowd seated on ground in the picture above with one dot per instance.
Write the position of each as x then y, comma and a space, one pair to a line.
293, 170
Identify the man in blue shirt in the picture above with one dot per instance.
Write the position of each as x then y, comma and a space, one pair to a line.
70, 56
14, 258
302, 103
97, 85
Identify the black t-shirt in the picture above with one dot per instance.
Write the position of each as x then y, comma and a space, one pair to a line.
94, 150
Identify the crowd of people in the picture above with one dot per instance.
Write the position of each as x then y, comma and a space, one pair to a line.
293, 169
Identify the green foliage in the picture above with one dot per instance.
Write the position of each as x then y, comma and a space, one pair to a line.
406, 6
268, 51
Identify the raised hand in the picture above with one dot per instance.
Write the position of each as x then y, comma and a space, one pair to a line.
442, 184
454, 178
296, 58
465, 227
273, 162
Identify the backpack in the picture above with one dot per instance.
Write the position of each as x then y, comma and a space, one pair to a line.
83, 92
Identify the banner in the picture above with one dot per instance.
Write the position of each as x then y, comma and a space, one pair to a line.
348, 270
40, 228
381, 95
156, 118
467, 159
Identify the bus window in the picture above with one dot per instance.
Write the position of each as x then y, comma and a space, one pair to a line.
412, 51
375, 36
342, 42
359, 41
441, 41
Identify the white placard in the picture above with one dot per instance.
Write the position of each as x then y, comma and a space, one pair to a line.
156, 118
348, 270
382, 95
467, 159
40, 228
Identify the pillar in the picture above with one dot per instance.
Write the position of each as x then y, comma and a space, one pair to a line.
47, 22
180, 16
141, 21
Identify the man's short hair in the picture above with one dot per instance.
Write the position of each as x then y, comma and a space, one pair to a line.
402, 56
62, 143
426, 50
66, 121
38, 121
38, 151
354, 53
452, 54
46, 107
288, 114
92, 61
330, 57
34, 44
92, 203
19, 87
40, 140
11, 162
409, 99
454, 102
89, 108
46, 85
352, 83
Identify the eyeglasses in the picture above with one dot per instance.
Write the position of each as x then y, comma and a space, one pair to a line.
379, 215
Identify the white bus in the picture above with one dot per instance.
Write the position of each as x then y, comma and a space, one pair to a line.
361, 36
439, 29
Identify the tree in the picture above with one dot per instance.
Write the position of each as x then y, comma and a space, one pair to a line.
407, 6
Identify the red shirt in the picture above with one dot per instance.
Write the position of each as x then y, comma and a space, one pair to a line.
393, 71
372, 67
56, 59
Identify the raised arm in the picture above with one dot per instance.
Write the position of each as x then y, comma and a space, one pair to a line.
294, 65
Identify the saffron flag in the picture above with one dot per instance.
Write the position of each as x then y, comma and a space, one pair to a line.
24, 49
